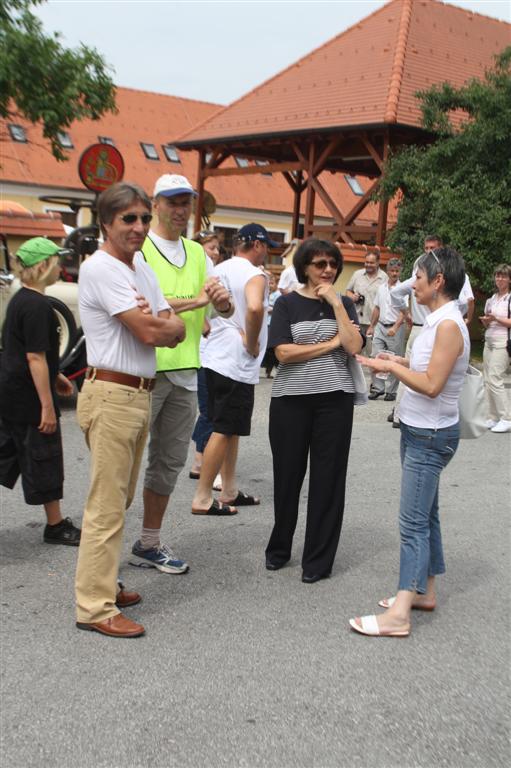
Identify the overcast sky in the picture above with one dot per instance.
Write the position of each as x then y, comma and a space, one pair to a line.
212, 50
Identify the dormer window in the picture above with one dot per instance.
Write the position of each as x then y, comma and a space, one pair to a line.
354, 185
17, 133
65, 140
106, 140
171, 153
149, 151
242, 162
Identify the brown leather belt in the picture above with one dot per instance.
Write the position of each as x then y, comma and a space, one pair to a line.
138, 382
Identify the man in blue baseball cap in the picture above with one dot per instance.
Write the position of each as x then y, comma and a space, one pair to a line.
232, 359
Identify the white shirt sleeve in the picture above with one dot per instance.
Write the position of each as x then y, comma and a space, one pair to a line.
399, 293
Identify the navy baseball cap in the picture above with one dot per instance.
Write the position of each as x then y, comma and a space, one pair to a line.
251, 232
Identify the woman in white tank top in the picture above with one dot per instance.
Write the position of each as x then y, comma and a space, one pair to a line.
429, 437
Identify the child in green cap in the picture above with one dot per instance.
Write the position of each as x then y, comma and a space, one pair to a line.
30, 438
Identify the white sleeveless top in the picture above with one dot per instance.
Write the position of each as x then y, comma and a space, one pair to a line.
418, 410
224, 351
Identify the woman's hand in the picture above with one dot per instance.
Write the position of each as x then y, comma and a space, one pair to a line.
378, 364
327, 293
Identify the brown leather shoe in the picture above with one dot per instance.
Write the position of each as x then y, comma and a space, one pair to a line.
125, 598
116, 626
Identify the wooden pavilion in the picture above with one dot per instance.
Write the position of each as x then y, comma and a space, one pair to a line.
344, 107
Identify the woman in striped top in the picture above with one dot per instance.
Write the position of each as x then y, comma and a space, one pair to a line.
311, 413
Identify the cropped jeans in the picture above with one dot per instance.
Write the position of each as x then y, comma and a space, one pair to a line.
424, 453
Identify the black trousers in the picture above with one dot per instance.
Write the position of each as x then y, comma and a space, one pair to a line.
319, 425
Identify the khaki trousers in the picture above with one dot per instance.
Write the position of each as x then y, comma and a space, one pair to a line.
495, 365
114, 419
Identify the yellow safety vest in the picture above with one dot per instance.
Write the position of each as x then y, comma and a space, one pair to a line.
184, 282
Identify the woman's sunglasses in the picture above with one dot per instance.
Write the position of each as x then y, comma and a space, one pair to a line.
131, 218
322, 264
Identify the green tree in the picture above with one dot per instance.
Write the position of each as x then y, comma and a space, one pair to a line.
459, 186
45, 82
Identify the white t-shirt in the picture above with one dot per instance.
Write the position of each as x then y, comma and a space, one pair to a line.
224, 351
107, 287
388, 313
174, 252
418, 410
288, 280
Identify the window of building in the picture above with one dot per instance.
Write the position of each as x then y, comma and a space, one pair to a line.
65, 140
262, 163
106, 140
171, 153
149, 151
208, 156
242, 162
354, 185
17, 133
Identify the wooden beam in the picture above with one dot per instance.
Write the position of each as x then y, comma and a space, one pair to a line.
364, 200
332, 146
311, 192
372, 151
296, 207
383, 205
199, 202
252, 169
334, 210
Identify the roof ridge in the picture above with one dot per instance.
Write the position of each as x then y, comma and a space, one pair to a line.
286, 69
398, 65
169, 96
468, 12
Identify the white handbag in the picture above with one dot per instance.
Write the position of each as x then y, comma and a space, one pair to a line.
472, 405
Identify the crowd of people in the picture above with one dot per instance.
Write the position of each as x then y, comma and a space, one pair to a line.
172, 326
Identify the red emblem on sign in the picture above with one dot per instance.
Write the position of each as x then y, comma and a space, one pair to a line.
100, 166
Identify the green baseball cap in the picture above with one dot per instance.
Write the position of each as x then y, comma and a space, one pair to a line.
35, 250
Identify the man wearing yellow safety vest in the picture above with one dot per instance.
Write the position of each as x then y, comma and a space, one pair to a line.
185, 276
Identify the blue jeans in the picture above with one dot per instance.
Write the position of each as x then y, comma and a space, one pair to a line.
424, 453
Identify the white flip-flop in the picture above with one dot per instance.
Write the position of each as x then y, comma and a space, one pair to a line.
388, 602
370, 627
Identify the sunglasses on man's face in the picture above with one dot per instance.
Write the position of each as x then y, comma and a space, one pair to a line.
322, 264
131, 218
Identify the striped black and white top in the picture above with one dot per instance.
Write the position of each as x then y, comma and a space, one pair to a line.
299, 320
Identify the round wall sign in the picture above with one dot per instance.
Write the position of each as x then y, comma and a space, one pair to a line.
100, 166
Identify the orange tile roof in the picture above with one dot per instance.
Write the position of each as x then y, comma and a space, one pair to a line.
153, 118
367, 75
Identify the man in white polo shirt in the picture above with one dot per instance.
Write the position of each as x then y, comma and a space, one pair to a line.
114, 404
387, 329
232, 358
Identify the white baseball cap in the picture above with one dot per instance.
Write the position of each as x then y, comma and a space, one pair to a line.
171, 184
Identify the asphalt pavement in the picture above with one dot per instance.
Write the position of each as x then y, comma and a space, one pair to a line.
244, 667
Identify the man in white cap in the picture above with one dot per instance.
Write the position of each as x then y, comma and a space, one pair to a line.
185, 276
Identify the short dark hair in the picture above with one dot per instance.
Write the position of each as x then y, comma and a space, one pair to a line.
394, 263
450, 264
313, 247
374, 252
434, 239
117, 198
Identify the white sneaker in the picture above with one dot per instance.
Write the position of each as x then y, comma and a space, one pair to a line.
502, 426
490, 424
